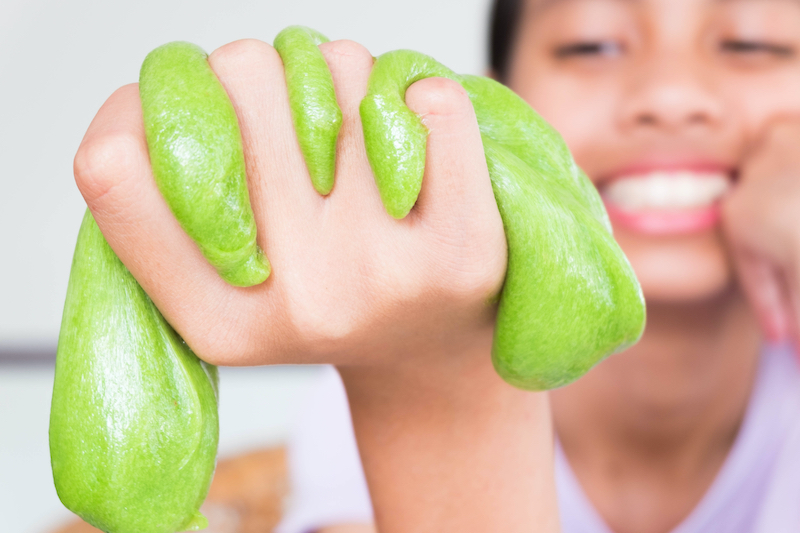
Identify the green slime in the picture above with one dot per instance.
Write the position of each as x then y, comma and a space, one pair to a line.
133, 427
133, 423
318, 119
197, 159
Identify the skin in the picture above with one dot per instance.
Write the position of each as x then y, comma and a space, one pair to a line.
560, 248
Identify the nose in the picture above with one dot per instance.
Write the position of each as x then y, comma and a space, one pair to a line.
671, 93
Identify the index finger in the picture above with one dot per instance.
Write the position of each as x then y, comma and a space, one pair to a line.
112, 171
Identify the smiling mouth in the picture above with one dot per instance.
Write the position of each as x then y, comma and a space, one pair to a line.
666, 202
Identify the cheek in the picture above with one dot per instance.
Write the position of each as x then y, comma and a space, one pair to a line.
757, 106
581, 116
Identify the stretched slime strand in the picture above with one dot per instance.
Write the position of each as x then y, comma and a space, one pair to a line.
394, 136
312, 99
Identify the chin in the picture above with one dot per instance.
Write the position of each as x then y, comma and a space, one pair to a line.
678, 269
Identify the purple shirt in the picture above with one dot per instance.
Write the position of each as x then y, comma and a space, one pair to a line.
757, 490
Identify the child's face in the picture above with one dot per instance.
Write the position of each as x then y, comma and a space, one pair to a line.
660, 100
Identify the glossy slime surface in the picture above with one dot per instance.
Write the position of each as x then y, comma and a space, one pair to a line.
197, 159
133, 428
133, 423
315, 113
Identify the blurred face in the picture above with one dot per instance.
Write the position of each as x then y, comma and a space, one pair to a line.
659, 101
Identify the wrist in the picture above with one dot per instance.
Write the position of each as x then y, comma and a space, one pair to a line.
465, 452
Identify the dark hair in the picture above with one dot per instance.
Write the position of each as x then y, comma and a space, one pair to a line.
502, 34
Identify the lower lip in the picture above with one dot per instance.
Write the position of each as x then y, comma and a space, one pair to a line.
665, 222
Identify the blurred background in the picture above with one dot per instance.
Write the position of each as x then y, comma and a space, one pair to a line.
61, 61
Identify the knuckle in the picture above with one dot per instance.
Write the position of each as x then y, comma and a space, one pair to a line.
477, 281
328, 318
212, 351
438, 96
470, 271
346, 55
245, 53
102, 164
221, 342
321, 328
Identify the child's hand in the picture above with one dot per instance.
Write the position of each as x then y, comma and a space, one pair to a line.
403, 307
349, 283
762, 222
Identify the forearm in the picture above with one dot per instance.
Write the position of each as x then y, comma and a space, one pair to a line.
468, 453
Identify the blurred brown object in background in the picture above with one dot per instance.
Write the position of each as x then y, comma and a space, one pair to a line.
246, 495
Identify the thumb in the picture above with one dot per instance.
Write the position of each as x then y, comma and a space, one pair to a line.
456, 182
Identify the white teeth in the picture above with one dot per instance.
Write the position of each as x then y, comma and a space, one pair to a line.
667, 190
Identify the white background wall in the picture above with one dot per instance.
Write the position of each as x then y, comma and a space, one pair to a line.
61, 59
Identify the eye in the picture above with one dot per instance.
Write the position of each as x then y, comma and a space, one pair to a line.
745, 47
589, 49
